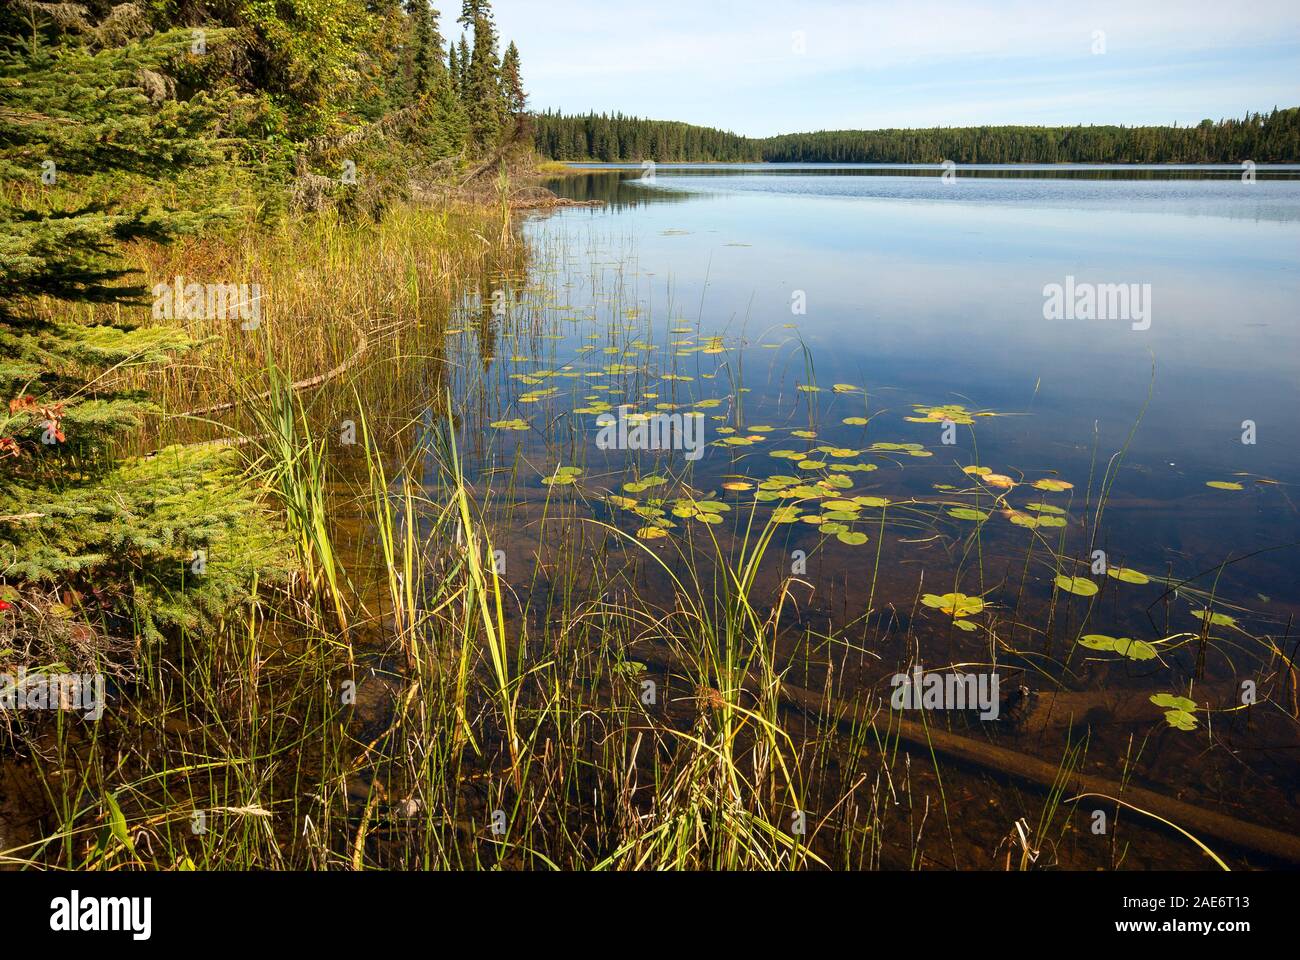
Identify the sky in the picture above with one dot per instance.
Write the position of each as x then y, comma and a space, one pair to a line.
761, 67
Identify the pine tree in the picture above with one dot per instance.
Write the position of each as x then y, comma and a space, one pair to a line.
174, 537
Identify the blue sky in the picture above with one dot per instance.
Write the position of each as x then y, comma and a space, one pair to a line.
761, 67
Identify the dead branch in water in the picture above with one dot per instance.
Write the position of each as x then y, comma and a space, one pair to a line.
1028, 769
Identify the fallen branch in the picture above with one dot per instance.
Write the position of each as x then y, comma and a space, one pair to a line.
1011, 763
363, 344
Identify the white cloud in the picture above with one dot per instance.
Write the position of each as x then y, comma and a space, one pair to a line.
732, 59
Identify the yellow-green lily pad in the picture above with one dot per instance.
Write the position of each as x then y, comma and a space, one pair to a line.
1218, 619
1079, 586
1053, 486
954, 604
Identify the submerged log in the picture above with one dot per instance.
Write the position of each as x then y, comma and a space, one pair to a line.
1029, 769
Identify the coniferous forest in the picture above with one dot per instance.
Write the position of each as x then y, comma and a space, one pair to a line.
1262, 137
614, 139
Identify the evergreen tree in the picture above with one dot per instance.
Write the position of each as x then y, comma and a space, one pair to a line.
462, 75
426, 65
481, 92
100, 118
512, 83
451, 112
174, 537
453, 67
620, 138
1274, 137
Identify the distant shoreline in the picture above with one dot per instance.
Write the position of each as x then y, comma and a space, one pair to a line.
1263, 138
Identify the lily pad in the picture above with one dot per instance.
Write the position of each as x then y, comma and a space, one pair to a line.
1133, 649
954, 604
563, 476
874, 503
1128, 575
1171, 702
1025, 520
1079, 586
1053, 486
645, 483
947, 413
1218, 619
1097, 641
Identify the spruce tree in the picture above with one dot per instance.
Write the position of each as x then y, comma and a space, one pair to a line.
462, 74
88, 127
482, 88
426, 65
451, 113
512, 82
453, 67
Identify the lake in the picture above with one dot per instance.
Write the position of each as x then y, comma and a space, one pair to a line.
1038, 421
928, 292
923, 292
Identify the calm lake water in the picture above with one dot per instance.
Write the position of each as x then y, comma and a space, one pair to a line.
885, 367
930, 291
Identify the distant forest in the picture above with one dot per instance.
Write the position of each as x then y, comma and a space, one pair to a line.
1262, 137
611, 138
